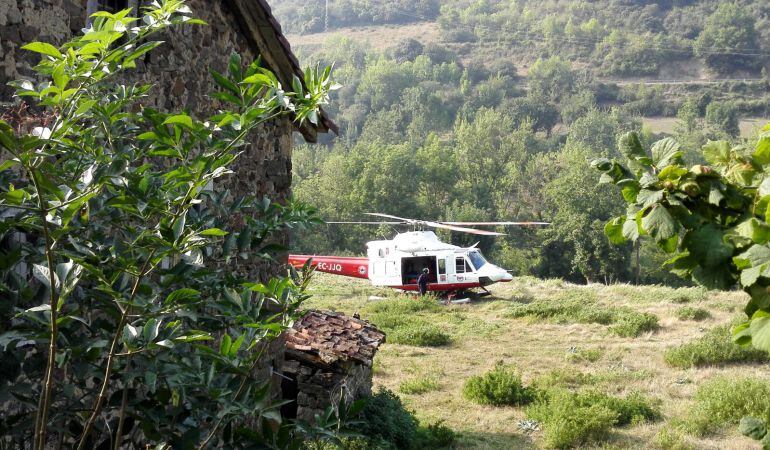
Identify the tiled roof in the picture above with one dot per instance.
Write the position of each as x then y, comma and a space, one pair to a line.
333, 337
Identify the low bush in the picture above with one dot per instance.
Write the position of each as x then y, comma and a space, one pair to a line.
725, 400
568, 423
419, 335
500, 386
420, 385
714, 348
435, 436
574, 418
669, 438
386, 423
630, 323
582, 307
692, 313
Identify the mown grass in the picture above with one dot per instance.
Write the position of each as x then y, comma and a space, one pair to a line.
724, 400
581, 306
716, 347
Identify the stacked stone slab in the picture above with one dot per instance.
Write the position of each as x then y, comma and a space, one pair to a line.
328, 357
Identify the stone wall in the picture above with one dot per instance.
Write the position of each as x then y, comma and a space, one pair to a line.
179, 73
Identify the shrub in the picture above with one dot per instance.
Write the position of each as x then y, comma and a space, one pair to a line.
499, 387
669, 438
419, 335
419, 385
435, 436
692, 313
568, 423
386, 422
628, 323
725, 400
574, 418
714, 348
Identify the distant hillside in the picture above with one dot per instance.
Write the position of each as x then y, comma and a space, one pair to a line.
675, 39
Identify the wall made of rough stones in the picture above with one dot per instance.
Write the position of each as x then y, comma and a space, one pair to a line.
319, 388
179, 74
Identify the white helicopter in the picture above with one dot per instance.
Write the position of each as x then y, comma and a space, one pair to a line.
397, 263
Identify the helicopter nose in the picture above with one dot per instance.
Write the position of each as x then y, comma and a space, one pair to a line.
506, 277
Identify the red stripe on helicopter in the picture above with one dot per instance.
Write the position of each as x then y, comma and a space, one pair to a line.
439, 286
349, 266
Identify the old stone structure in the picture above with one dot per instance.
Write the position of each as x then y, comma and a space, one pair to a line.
328, 356
179, 72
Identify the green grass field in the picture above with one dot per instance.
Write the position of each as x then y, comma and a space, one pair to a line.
563, 337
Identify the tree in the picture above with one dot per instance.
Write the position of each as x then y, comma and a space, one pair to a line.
728, 39
722, 117
550, 79
129, 326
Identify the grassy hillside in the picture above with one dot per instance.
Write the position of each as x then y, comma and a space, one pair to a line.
564, 351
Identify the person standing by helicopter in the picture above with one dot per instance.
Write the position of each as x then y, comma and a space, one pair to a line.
422, 281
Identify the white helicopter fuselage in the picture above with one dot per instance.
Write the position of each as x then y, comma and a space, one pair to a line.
398, 262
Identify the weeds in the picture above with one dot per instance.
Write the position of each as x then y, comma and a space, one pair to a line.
714, 348
582, 307
567, 423
420, 385
725, 400
419, 335
585, 355
575, 418
692, 313
500, 386
669, 438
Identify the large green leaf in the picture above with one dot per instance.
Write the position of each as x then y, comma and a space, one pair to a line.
631, 147
762, 152
708, 246
43, 48
717, 152
614, 230
760, 330
659, 224
666, 152
754, 229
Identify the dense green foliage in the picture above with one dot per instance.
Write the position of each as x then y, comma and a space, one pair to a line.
713, 349
387, 425
123, 322
712, 220
500, 386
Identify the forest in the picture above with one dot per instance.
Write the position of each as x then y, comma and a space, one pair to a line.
498, 118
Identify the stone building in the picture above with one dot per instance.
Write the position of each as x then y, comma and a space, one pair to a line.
328, 357
179, 72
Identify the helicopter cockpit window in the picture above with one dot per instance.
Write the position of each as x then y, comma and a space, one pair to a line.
477, 259
460, 265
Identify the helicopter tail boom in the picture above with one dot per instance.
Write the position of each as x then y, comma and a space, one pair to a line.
347, 266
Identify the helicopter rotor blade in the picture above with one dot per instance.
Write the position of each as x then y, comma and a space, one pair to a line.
388, 216
462, 229
497, 223
368, 223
